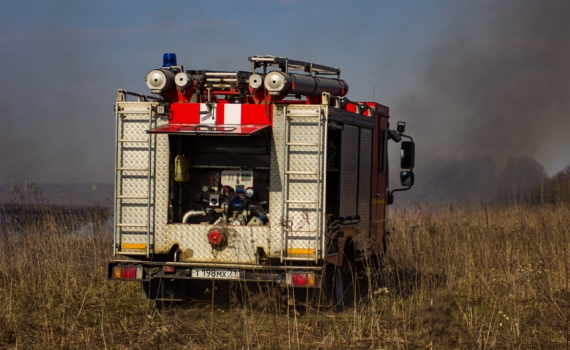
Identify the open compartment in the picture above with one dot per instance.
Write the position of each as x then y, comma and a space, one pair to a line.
219, 179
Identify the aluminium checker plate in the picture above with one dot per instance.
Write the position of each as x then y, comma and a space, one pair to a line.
245, 240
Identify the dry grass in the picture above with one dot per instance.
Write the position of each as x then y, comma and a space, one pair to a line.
469, 277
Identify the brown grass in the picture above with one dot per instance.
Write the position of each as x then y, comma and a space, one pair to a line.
470, 277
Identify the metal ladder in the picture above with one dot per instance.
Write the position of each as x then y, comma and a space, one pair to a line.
290, 231
129, 184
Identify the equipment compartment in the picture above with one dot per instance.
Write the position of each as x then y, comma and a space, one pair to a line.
227, 180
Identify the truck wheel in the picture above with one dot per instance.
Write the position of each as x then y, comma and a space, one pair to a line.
343, 285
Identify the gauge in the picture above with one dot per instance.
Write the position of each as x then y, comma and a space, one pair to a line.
236, 223
249, 192
237, 201
205, 188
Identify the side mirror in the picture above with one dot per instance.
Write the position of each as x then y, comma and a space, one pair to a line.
407, 155
407, 178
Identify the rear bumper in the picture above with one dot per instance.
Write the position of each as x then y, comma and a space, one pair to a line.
147, 271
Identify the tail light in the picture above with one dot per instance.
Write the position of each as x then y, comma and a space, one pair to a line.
303, 279
311, 279
128, 272
299, 279
116, 272
168, 269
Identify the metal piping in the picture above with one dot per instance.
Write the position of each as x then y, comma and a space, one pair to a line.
192, 213
203, 212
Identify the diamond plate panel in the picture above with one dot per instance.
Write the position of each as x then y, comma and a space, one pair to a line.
128, 236
159, 192
275, 178
300, 221
243, 242
133, 122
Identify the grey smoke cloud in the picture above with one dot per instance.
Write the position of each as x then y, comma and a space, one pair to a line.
471, 79
51, 111
494, 87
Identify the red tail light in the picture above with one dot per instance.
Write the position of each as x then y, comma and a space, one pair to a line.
303, 279
129, 272
299, 279
168, 269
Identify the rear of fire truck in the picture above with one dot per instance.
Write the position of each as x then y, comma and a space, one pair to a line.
265, 176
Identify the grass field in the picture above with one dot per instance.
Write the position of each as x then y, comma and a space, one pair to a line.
466, 277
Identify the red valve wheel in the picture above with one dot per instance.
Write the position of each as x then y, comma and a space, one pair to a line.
216, 237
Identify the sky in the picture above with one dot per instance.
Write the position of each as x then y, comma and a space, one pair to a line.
471, 79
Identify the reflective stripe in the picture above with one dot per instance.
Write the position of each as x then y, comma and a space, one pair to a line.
133, 246
299, 251
232, 113
207, 118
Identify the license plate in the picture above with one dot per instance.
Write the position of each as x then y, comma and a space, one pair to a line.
217, 274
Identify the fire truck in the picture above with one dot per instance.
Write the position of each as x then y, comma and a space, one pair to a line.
271, 176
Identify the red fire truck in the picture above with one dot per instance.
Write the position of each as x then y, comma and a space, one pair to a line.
271, 175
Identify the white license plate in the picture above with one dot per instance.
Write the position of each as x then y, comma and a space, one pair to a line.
217, 274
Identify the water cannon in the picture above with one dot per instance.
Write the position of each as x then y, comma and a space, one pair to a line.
184, 80
256, 81
160, 81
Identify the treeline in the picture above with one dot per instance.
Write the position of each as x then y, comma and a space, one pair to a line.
557, 188
479, 179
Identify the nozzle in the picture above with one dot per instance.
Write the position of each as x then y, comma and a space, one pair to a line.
159, 80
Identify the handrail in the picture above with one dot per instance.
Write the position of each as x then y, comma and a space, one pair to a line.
213, 128
121, 96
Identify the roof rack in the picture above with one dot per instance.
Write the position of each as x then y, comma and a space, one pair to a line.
286, 65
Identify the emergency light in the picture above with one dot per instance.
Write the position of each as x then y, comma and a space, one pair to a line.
168, 60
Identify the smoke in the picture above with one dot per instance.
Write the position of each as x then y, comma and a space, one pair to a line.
54, 125
494, 86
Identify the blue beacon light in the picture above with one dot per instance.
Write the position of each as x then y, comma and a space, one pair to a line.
169, 59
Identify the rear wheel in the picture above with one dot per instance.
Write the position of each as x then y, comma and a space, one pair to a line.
343, 285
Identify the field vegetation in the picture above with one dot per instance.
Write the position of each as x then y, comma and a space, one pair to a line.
471, 276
